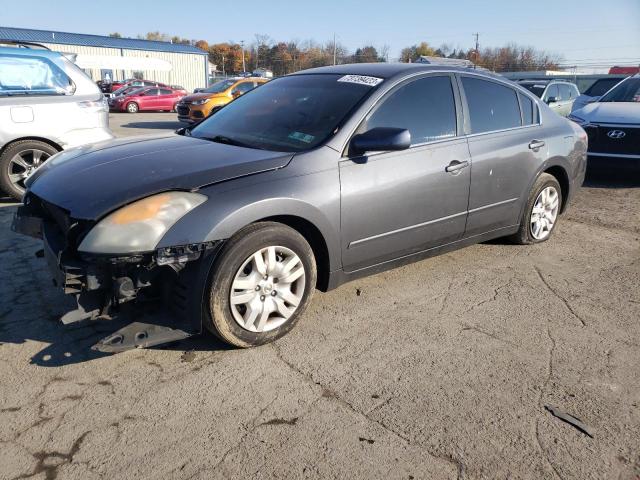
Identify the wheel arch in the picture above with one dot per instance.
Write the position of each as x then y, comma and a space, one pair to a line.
220, 221
50, 142
316, 240
561, 175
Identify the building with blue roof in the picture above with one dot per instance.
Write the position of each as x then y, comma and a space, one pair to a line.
121, 58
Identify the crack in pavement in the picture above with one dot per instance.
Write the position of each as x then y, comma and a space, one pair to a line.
556, 294
51, 470
466, 327
330, 394
543, 387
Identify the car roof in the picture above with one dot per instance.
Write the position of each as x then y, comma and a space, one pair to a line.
545, 82
389, 70
29, 52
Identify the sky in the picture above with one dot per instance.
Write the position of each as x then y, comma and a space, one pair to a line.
583, 32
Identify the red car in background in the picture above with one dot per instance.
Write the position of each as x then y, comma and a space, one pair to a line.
147, 98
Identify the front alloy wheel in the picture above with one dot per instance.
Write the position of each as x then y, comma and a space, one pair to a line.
267, 289
260, 284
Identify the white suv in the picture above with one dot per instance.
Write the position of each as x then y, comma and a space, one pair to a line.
47, 104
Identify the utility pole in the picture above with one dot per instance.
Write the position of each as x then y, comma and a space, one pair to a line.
223, 74
477, 52
244, 68
334, 48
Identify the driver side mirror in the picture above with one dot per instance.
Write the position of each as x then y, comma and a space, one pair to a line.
551, 100
236, 94
380, 139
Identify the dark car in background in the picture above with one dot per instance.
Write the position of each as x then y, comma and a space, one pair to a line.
147, 98
613, 124
595, 91
309, 181
558, 94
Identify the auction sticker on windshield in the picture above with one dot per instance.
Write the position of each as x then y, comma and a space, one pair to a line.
302, 137
361, 80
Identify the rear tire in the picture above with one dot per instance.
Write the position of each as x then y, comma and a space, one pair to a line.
20, 159
132, 107
270, 294
540, 215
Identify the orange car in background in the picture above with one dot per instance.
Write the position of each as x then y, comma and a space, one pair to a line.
197, 106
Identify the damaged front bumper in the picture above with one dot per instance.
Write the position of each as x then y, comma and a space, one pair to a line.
167, 284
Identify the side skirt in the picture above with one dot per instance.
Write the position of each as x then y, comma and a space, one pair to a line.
338, 277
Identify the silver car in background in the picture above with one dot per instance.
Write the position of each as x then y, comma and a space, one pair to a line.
558, 94
47, 104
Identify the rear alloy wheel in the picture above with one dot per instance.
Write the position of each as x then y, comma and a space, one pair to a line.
544, 213
261, 283
20, 160
541, 212
132, 107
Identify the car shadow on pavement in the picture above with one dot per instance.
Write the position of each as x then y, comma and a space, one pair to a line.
154, 125
600, 175
71, 344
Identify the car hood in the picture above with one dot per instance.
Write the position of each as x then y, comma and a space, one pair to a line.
610, 112
200, 96
92, 181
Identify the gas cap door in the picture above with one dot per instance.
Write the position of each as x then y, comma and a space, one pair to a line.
22, 114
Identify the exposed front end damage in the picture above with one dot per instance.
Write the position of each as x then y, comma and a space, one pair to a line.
167, 283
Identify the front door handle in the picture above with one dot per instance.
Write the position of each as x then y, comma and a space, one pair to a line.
456, 166
535, 145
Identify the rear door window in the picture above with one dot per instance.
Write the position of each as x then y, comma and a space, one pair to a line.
27, 75
492, 106
164, 91
566, 92
425, 107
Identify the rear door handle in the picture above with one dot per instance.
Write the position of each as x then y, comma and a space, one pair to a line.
456, 165
536, 144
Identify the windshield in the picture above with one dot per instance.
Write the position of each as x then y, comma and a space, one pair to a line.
536, 88
626, 91
219, 87
602, 86
290, 114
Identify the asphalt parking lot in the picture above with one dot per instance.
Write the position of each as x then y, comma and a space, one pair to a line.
440, 369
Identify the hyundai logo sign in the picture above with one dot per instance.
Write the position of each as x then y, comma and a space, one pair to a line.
616, 134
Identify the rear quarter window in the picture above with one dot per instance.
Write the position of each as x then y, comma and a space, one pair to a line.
22, 74
529, 110
491, 106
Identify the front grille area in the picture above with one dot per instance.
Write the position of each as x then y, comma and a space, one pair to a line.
69, 229
198, 114
183, 110
613, 139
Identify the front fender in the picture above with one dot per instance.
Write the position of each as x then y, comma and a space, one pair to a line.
232, 206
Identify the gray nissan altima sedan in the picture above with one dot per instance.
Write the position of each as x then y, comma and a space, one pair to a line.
306, 182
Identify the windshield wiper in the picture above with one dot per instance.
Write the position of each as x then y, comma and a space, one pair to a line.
230, 141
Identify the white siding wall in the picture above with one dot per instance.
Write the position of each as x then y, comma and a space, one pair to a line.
189, 70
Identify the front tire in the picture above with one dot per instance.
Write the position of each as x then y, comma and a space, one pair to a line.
18, 161
261, 284
132, 107
541, 212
